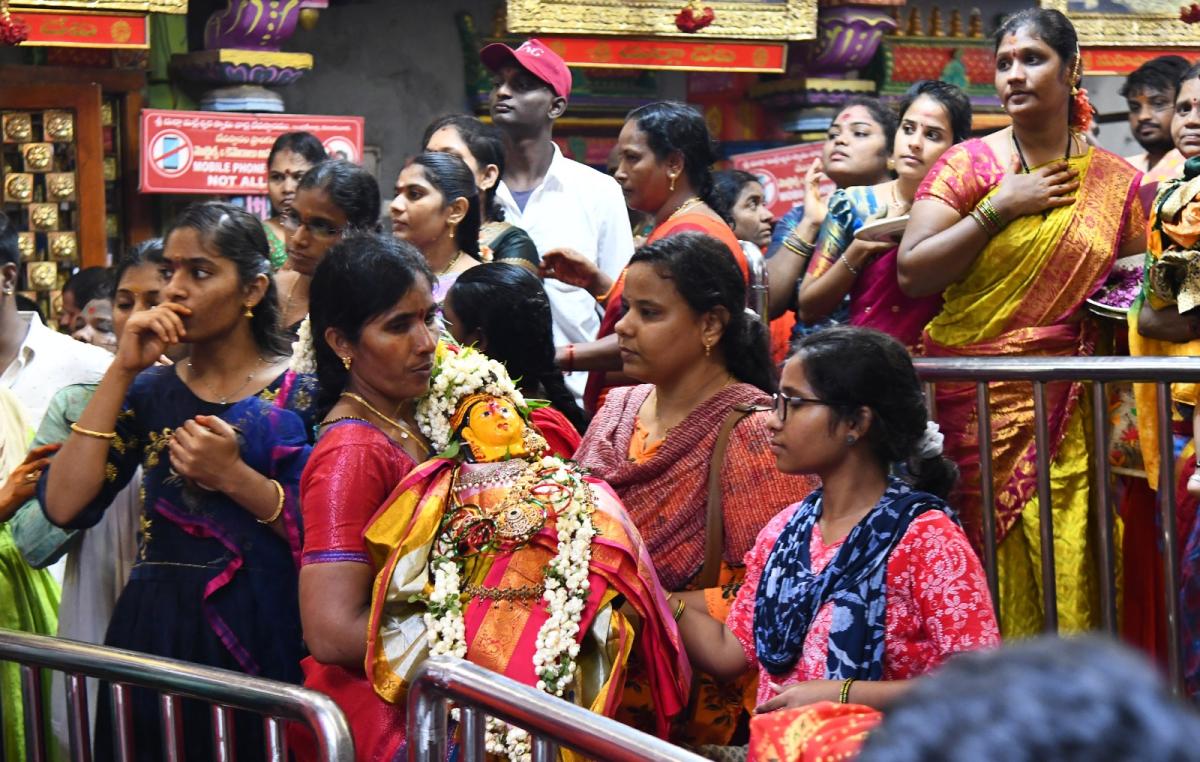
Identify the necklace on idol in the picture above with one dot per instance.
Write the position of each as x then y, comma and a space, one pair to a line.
223, 399
405, 430
686, 205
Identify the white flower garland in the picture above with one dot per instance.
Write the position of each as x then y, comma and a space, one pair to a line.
459, 372
566, 591
304, 356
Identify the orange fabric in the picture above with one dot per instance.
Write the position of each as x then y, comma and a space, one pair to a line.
781, 336
641, 449
821, 732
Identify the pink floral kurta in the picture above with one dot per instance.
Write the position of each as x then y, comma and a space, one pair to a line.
937, 601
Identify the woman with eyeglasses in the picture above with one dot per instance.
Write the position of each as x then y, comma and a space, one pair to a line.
687, 450
867, 582
334, 198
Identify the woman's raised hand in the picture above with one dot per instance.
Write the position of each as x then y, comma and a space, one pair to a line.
574, 269
816, 202
148, 334
1023, 193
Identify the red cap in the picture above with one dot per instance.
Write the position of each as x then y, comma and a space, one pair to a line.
536, 58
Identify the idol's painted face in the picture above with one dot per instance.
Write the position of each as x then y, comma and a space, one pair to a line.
496, 423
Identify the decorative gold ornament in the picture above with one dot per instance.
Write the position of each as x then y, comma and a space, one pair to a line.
39, 157
110, 169
42, 276
18, 188
59, 126
106, 114
18, 127
26, 245
61, 186
112, 228
63, 246
43, 217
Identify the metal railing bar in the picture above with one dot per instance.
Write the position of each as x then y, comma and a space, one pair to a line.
1104, 510
1045, 509
474, 727
987, 501
544, 750
1166, 507
122, 710
78, 725
276, 743
593, 735
172, 727
1147, 369
188, 680
427, 727
35, 735
222, 730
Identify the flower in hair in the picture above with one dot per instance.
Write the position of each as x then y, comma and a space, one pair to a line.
304, 356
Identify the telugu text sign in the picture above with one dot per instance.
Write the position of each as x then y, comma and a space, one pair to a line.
214, 153
781, 171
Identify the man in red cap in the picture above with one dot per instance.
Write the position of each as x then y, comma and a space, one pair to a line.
560, 203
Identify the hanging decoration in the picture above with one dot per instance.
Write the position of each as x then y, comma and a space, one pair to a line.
12, 31
1190, 14
688, 21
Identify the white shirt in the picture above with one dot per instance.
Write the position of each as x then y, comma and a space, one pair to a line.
578, 208
46, 362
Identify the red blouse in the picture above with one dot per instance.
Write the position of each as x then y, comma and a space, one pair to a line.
937, 602
352, 470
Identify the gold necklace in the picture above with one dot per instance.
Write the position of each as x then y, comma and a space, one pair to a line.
896, 203
686, 205
223, 399
287, 307
453, 262
404, 429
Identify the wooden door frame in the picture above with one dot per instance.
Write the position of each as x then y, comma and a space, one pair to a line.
84, 99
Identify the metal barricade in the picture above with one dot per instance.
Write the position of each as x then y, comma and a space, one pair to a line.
551, 722
226, 691
1096, 372
758, 294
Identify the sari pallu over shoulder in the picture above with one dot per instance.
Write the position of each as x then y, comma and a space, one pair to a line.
1022, 296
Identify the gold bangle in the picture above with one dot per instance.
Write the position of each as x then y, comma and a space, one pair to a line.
278, 506
845, 697
800, 247
679, 609
107, 436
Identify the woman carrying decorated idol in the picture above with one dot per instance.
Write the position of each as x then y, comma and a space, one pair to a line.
868, 582
215, 577
687, 450
933, 116
1016, 230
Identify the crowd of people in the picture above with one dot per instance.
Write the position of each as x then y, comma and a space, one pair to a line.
318, 450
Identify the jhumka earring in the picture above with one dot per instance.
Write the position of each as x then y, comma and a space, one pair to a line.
707, 349
347, 361
249, 313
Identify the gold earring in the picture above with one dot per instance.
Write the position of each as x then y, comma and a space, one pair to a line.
249, 313
672, 186
707, 349
453, 228
347, 361
891, 164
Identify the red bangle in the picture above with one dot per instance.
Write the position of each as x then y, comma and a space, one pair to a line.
569, 365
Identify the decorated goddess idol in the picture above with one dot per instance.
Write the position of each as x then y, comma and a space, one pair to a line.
497, 552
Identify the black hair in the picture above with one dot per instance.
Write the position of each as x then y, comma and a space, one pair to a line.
351, 188
486, 144
1193, 72
880, 113
10, 248
363, 276
707, 277
674, 127
1161, 74
846, 366
454, 179
90, 283
305, 144
509, 306
1081, 699
25, 304
727, 185
149, 251
238, 236
1051, 27
951, 97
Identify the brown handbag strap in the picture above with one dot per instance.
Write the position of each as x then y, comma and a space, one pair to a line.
714, 521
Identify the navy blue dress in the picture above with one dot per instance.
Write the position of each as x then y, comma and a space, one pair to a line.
211, 584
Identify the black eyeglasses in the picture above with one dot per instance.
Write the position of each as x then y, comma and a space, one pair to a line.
291, 222
781, 403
